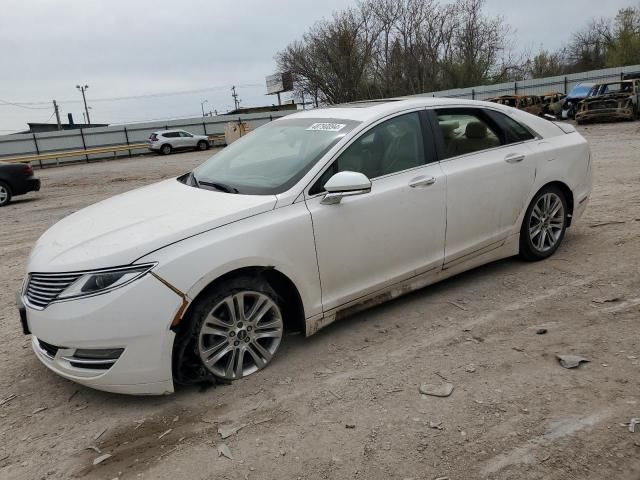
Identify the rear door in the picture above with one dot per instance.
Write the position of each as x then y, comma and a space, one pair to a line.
172, 138
489, 173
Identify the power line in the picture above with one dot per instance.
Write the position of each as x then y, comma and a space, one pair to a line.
21, 105
131, 97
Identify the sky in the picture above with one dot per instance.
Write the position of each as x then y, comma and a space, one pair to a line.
139, 48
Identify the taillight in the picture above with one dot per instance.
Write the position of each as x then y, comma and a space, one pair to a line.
28, 170
153, 137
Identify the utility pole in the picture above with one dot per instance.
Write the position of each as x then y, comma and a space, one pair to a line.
55, 109
236, 102
84, 98
202, 106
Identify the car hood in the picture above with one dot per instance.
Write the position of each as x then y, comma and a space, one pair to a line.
609, 96
121, 229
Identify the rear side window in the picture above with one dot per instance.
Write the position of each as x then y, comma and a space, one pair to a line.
170, 134
514, 132
467, 131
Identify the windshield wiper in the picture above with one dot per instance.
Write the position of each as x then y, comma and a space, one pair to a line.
219, 186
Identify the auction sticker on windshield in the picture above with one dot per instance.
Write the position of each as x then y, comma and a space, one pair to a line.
327, 127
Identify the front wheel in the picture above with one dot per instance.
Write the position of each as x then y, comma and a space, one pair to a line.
233, 331
202, 145
544, 224
5, 194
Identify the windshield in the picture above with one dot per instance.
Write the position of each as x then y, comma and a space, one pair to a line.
606, 88
272, 158
580, 91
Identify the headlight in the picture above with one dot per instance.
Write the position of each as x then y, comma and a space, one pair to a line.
102, 281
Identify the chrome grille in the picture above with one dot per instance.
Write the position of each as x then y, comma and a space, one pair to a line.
43, 288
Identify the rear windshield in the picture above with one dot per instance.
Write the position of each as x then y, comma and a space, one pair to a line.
274, 157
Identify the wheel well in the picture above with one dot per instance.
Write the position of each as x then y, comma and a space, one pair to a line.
568, 195
7, 183
292, 302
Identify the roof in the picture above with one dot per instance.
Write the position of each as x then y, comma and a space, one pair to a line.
36, 127
371, 110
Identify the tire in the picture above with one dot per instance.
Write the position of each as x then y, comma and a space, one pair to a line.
202, 145
233, 330
549, 208
166, 149
5, 194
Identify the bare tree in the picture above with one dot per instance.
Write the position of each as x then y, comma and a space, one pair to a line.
386, 48
587, 49
333, 57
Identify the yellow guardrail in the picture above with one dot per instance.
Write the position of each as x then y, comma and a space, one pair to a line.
73, 153
88, 151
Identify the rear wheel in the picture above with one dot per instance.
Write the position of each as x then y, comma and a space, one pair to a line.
544, 225
202, 145
5, 194
233, 331
166, 149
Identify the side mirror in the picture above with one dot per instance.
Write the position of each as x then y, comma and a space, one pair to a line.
345, 184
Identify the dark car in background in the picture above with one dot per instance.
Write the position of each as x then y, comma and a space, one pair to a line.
16, 179
574, 97
610, 101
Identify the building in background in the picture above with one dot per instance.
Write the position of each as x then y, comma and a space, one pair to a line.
53, 127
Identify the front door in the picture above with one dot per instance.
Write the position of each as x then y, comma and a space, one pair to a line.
370, 241
186, 140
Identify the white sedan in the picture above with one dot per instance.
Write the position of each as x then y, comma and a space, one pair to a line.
303, 221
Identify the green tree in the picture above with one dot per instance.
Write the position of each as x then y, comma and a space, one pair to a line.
624, 43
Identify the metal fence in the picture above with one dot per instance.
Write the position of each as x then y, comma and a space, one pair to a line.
538, 86
82, 139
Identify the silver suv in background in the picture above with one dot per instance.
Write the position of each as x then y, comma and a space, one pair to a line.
166, 141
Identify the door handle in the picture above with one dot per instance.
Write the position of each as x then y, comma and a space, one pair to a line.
514, 158
422, 182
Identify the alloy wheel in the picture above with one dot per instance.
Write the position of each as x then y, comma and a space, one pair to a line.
546, 222
240, 335
4, 195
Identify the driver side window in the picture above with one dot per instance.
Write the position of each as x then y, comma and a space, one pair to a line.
392, 146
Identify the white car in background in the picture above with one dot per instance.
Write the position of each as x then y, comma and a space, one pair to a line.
167, 141
303, 221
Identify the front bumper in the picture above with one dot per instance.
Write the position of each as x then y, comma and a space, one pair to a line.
135, 318
605, 114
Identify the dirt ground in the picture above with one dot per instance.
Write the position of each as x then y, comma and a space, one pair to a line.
345, 403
